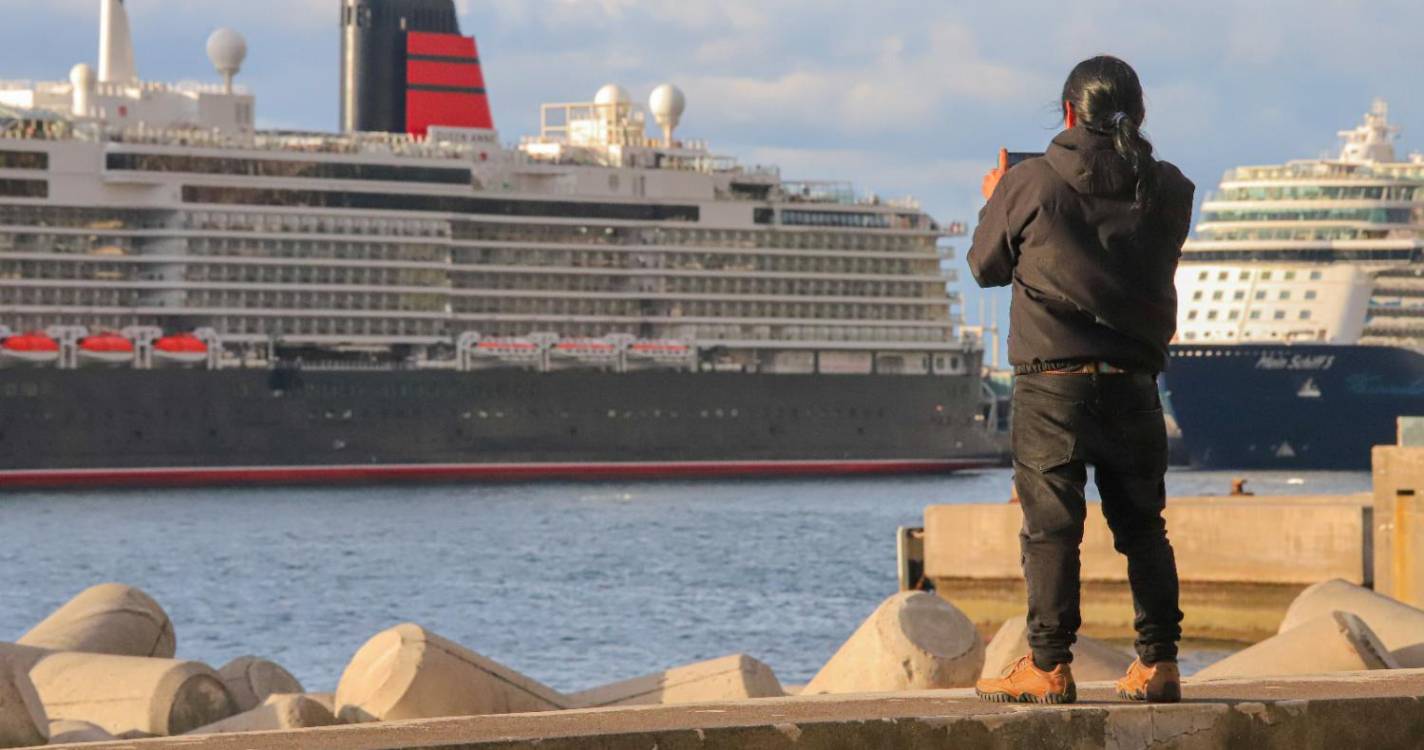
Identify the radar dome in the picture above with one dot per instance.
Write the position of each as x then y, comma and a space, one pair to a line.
227, 50
82, 76
667, 105
612, 94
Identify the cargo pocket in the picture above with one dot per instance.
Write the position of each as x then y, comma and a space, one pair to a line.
1043, 430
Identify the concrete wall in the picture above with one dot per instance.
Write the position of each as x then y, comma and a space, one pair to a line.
1278, 540
1399, 523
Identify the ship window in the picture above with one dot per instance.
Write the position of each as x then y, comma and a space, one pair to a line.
1197, 296
1285, 294
1280, 315
1315, 276
1216, 295
1239, 295
1310, 294
1260, 295
36, 160
1290, 275
1211, 315
1305, 315
1191, 335
1255, 314
1221, 276
24, 188
1245, 275
1235, 315
1265, 276
1202, 276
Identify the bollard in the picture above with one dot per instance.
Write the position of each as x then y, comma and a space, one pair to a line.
1093, 660
250, 680
23, 721
125, 695
72, 732
110, 618
1335, 642
276, 712
730, 678
913, 641
407, 672
1399, 626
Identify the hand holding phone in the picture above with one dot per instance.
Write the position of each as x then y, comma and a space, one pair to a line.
991, 180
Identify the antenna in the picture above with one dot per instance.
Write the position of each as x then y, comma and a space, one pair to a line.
667, 105
227, 49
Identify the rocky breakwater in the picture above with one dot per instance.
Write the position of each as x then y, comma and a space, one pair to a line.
103, 667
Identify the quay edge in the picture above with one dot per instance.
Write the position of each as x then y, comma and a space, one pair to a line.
1381, 710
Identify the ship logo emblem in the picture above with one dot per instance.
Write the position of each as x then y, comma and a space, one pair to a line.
1309, 389
1285, 451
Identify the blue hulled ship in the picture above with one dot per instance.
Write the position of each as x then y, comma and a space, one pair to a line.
1301, 318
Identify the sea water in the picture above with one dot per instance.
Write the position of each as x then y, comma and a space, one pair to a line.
573, 584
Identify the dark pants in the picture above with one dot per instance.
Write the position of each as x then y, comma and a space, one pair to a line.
1062, 423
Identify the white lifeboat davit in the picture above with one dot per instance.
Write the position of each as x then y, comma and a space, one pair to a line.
104, 350
180, 350
28, 350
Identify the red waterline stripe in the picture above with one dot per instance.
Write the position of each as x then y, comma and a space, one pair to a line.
207, 476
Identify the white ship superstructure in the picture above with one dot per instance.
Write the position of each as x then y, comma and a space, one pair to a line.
127, 205
1322, 251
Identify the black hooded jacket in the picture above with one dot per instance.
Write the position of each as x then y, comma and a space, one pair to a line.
1093, 278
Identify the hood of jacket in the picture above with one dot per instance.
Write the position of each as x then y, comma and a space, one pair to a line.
1088, 162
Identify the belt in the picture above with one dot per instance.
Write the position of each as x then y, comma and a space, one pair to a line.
1088, 368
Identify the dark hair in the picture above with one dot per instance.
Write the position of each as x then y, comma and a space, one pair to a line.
1107, 98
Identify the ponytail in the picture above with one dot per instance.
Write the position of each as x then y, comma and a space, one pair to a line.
1107, 97
1137, 151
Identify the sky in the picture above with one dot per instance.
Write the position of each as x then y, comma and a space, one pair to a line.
902, 97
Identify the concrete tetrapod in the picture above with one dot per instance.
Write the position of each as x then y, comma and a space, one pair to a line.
1093, 660
913, 641
276, 712
72, 732
730, 678
1399, 626
126, 695
23, 721
110, 618
251, 680
1335, 642
407, 672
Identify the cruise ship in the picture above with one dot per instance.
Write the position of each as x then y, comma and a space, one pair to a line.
188, 299
1302, 309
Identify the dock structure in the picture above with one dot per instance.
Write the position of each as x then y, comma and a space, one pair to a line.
1242, 560
1380, 710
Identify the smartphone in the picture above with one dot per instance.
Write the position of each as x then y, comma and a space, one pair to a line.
1017, 157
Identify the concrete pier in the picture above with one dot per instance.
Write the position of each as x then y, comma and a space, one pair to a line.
1236, 585
1378, 710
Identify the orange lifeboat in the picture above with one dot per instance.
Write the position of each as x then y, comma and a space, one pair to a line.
179, 350
104, 350
28, 349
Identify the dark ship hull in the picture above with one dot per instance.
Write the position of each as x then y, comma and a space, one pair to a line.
1292, 406
163, 427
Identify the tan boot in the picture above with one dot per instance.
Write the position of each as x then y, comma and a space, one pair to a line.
1026, 683
1159, 683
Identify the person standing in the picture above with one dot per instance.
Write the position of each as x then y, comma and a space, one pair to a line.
1089, 236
